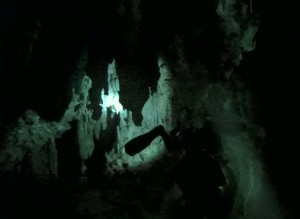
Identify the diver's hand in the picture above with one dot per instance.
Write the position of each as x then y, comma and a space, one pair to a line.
160, 130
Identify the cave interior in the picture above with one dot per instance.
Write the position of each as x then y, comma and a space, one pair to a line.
79, 79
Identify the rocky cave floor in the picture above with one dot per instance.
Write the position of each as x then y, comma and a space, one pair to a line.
147, 193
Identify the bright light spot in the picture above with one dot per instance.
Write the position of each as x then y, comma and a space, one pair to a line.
111, 101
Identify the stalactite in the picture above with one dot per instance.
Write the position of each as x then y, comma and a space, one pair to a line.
156, 111
239, 29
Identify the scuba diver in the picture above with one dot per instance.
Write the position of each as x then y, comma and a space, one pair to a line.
199, 174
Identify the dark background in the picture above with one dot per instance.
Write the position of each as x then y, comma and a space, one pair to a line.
41, 78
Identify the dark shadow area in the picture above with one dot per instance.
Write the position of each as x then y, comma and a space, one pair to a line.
96, 165
198, 174
69, 161
22, 196
270, 72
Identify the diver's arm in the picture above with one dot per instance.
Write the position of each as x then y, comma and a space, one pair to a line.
166, 138
139, 143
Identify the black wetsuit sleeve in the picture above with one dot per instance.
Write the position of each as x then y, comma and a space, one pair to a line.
139, 143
